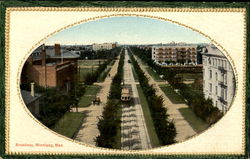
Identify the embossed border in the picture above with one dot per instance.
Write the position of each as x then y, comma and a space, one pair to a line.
113, 10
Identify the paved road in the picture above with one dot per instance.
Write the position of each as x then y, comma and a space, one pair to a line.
88, 130
134, 133
183, 128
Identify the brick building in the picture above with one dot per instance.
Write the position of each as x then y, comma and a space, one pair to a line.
178, 53
50, 71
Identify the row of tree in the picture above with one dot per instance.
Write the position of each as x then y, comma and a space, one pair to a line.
110, 121
165, 128
92, 77
195, 99
100, 54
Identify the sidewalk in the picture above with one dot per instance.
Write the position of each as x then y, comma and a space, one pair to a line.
88, 130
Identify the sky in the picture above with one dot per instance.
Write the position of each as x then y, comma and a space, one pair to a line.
126, 30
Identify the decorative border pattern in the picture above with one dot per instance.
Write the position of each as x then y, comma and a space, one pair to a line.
116, 152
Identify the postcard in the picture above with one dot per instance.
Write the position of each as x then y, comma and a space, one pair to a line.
125, 81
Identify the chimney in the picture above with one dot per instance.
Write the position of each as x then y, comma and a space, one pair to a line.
57, 50
32, 90
43, 55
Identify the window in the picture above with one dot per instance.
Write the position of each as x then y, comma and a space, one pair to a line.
216, 104
216, 90
222, 93
225, 78
225, 94
216, 76
211, 87
210, 72
209, 61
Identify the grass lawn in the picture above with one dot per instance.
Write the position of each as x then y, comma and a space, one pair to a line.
171, 94
69, 124
195, 122
153, 74
92, 90
89, 95
89, 62
85, 101
190, 76
148, 119
84, 71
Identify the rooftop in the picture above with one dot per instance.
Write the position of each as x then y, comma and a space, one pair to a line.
28, 98
213, 50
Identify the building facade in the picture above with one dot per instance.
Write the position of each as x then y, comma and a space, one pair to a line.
174, 54
104, 46
50, 70
218, 78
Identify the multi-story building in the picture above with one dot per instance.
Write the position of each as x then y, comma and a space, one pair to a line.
104, 46
50, 70
177, 53
218, 78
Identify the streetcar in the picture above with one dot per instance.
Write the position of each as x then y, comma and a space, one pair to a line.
125, 94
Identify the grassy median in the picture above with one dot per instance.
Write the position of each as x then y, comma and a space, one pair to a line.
153, 74
171, 94
148, 119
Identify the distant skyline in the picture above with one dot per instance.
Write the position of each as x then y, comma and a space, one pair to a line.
126, 30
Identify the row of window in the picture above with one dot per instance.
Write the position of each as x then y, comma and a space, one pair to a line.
186, 52
223, 93
216, 62
174, 49
223, 77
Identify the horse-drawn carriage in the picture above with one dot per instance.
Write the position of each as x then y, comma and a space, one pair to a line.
96, 101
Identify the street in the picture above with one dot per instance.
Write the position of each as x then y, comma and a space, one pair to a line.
134, 133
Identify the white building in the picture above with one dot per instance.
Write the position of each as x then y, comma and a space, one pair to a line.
104, 46
218, 78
